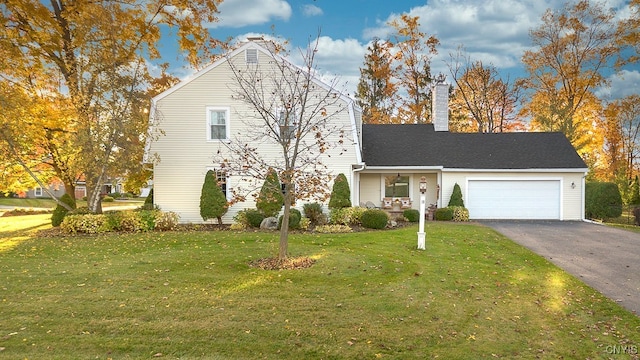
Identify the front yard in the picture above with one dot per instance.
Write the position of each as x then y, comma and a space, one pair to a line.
192, 295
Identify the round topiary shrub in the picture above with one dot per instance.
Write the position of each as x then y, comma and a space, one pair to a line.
444, 214
374, 219
294, 219
460, 213
108, 199
412, 215
254, 217
60, 211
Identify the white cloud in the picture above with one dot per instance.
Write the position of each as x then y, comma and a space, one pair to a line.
621, 84
239, 13
311, 10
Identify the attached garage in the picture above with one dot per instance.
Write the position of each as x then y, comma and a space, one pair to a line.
538, 199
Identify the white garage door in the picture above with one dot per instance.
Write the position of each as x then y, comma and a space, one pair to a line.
514, 199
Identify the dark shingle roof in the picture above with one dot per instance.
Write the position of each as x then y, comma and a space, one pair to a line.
420, 145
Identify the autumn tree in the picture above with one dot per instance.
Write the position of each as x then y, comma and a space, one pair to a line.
573, 47
377, 91
481, 97
414, 50
623, 135
94, 56
289, 109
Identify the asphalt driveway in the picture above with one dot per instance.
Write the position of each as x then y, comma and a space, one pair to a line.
605, 258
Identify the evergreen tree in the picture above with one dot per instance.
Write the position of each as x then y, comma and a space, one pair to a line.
635, 192
270, 199
213, 203
456, 196
340, 194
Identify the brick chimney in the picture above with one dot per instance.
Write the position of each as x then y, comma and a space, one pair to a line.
440, 104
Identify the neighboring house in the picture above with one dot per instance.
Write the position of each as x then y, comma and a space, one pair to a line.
502, 176
57, 188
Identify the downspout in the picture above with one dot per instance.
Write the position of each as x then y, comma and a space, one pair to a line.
356, 182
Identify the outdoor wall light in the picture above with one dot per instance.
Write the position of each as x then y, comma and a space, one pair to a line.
573, 185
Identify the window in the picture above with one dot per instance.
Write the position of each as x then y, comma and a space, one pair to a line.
251, 56
396, 186
38, 191
222, 182
287, 118
217, 123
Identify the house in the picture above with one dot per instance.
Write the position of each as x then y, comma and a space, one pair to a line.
502, 176
198, 116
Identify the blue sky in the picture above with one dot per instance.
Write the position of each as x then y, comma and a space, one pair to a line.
494, 31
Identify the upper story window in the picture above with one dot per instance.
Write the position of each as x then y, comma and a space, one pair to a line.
251, 56
218, 123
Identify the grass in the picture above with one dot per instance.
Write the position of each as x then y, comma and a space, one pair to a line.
191, 295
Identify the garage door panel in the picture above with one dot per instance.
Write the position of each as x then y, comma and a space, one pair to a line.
514, 199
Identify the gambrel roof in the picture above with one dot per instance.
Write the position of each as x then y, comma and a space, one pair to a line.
420, 145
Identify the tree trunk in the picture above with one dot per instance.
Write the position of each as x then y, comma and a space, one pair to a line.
284, 227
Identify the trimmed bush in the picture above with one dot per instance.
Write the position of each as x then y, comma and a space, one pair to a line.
340, 194
108, 199
444, 214
313, 212
270, 199
456, 196
635, 192
213, 203
294, 219
127, 220
412, 215
374, 219
60, 211
254, 217
460, 213
347, 216
602, 200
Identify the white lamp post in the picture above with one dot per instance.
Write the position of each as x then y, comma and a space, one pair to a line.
421, 234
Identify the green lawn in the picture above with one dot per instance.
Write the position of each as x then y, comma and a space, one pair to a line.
191, 295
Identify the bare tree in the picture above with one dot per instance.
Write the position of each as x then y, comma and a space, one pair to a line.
290, 110
482, 95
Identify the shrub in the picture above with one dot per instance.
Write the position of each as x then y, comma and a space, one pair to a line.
412, 215
635, 192
313, 212
327, 229
375, 219
456, 196
444, 214
108, 198
165, 221
270, 199
294, 219
149, 200
128, 220
460, 213
602, 200
213, 203
88, 223
254, 217
340, 194
60, 211
347, 216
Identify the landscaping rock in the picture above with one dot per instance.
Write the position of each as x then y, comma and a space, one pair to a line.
270, 223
